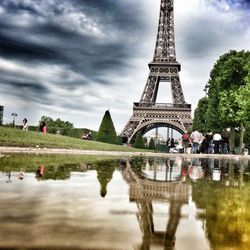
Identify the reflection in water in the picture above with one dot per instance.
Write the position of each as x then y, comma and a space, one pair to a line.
105, 172
173, 203
225, 201
145, 191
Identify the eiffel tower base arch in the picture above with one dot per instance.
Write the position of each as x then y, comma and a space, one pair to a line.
150, 116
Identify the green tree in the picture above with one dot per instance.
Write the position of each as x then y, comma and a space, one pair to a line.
229, 72
199, 122
151, 144
58, 124
234, 108
228, 75
139, 141
106, 132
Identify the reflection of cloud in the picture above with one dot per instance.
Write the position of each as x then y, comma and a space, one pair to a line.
121, 212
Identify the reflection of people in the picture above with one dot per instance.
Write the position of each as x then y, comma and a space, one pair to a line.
8, 174
40, 171
25, 124
21, 175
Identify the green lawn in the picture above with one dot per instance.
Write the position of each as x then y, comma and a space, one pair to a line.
20, 138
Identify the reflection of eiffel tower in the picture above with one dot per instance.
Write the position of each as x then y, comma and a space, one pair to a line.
144, 192
147, 114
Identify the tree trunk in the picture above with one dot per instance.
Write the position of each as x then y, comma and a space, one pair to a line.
231, 140
241, 137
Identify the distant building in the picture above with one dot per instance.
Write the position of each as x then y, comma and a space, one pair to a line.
1, 115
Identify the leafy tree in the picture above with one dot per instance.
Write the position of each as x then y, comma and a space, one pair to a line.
58, 124
106, 131
199, 122
227, 93
229, 72
151, 144
139, 141
233, 108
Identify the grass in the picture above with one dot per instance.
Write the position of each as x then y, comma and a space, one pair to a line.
20, 138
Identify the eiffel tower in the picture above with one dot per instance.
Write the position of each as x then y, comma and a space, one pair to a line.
147, 114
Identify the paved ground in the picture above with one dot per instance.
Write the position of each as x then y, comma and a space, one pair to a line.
29, 150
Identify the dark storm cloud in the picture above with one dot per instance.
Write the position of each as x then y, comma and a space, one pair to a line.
24, 50
57, 32
28, 92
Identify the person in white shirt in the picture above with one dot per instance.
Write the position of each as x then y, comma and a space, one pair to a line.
217, 142
195, 138
25, 124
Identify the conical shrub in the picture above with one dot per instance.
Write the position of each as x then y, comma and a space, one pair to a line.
151, 144
106, 132
139, 142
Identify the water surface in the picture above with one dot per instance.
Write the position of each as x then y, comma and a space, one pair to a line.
132, 203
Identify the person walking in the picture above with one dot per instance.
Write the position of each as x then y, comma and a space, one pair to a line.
185, 141
172, 146
217, 142
168, 143
209, 142
195, 138
25, 124
43, 127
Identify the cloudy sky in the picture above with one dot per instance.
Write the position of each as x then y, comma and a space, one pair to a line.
73, 59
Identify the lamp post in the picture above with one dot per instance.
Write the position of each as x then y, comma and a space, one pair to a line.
14, 118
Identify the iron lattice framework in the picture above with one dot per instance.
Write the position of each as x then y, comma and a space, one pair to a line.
147, 114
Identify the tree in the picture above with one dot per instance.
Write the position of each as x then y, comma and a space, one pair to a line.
151, 144
229, 72
139, 141
58, 124
106, 132
199, 122
227, 93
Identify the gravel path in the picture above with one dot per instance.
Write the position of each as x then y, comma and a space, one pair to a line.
38, 150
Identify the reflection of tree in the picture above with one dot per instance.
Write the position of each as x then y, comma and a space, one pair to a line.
61, 172
137, 164
226, 210
105, 170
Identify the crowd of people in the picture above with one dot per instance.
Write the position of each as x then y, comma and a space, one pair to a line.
197, 142
209, 143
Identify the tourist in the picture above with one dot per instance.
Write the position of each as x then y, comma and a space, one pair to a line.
185, 141
168, 143
224, 144
195, 138
43, 127
217, 142
172, 146
25, 124
209, 142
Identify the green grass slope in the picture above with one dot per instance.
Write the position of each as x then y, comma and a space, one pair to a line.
20, 138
